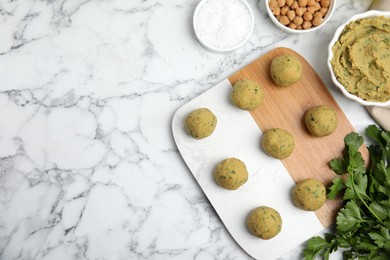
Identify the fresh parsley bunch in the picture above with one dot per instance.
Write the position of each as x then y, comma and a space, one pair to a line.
363, 224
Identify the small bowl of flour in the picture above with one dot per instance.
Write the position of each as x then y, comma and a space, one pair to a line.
223, 25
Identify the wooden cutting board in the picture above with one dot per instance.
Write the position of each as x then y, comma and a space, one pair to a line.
284, 107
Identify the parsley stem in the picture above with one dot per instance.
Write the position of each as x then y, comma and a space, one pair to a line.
363, 201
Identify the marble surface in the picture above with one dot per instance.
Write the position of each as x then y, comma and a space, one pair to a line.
89, 168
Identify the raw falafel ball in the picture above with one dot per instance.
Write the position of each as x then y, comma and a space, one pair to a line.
286, 70
278, 143
264, 222
247, 94
200, 123
321, 120
309, 194
230, 174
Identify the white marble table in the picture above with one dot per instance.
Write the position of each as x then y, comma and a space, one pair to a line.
89, 168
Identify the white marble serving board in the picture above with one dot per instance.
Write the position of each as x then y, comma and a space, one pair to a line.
269, 183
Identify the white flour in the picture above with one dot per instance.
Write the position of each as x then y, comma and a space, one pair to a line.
223, 24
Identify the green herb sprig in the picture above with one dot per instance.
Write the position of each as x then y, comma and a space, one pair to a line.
363, 224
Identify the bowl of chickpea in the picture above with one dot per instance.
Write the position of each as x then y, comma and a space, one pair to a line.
299, 16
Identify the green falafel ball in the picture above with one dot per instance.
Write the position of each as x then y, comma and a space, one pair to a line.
247, 94
264, 222
278, 143
230, 173
286, 70
321, 120
309, 194
200, 123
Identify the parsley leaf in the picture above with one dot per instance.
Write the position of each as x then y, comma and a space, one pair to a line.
363, 224
348, 220
381, 209
337, 187
338, 165
380, 238
356, 187
320, 246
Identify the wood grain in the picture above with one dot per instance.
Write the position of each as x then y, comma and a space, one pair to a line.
284, 107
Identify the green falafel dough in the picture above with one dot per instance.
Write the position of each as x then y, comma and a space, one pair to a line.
264, 222
321, 120
361, 58
200, 123
278, 143
309, 194
230, 174
286, 70
247, 94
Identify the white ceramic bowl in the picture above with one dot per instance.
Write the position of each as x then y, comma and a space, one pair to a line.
211, 45
336, 37
295, 31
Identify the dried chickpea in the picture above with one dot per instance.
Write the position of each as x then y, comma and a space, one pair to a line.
300, 14
325, 3
302, 3
300, 11
319, 14
284, 10
294, 5
307, 17
276, 11
281, 3
311, 9
284, 20
298, 20
292, 25
317, 21
323, 10
273, 4
291, 15
306, 25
